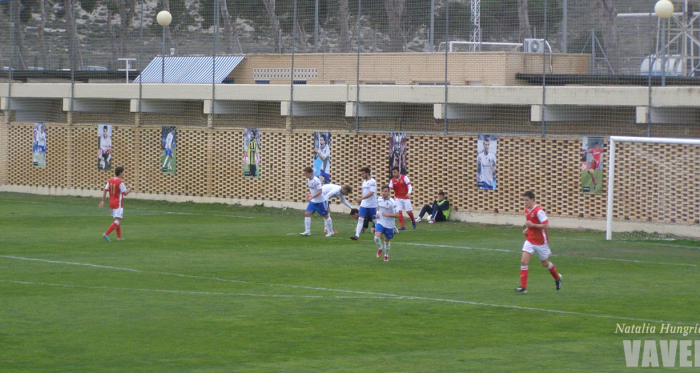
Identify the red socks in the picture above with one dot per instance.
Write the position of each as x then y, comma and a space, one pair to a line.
111, 228
119, 231
523, 277
553, 271
401, 220
410, 215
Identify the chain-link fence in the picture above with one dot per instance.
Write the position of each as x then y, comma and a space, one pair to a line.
537, 67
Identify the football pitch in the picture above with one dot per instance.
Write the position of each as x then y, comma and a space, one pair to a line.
218, 288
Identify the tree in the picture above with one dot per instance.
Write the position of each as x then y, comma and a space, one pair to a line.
395, 10
76, 55
344, 20
228, 27
524, 31
40, 33
607, 15
274, 24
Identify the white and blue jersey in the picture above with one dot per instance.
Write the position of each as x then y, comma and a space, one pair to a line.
385, 224
368, 206
332, 191
319, 203
169, 144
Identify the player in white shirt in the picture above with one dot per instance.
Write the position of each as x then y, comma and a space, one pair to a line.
324, 153
41, 144
317, 203
386, 212
169, 149
332, 191
104, 153
368, 201
486, 168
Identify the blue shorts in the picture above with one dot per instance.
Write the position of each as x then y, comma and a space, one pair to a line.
41, 148
368, 212
325, 178
388, 232
168, 151
320, 207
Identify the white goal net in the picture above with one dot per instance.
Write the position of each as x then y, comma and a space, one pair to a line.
653, 189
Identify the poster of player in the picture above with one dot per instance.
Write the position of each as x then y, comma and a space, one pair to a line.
104, 147
168, 150
251, 152
398, 152
487, 148
39, 145
322, 156
592, 165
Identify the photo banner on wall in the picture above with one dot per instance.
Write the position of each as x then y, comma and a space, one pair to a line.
168, 150
592, 165
39, 146
322, 156
487, 149
104, 150
398, 152
251, 152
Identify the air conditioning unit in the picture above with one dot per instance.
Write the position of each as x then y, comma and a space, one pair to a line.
533, 45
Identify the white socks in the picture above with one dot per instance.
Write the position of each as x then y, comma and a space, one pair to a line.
307, 224
387, 246
329, 224
358, 229
378, 241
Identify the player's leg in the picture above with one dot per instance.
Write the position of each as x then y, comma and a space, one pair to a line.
360, 223
119, 229
378, 239
440, 216
528, 250
426, 210
165, 160
117, 216
435, 210
310, 208
401, 221
323, 211
544, 252
409, 211
388, 235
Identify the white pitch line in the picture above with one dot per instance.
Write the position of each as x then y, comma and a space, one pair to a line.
384, 295
189, 291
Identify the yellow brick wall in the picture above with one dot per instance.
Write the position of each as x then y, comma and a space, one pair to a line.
209, 164
490, 68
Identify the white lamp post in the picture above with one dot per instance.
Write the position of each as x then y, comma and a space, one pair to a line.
164, 18
663, 10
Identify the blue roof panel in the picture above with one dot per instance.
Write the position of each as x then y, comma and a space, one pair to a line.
190, 70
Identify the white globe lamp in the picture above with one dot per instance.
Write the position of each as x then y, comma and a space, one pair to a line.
164, 18
663, 9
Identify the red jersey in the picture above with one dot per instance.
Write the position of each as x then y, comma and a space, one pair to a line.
596, 152
116, 190
536, 236
400, 186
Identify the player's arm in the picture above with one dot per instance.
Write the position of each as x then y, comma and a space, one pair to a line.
410, 187
345, 201
104, 195
124, 189
395, 214
368, 195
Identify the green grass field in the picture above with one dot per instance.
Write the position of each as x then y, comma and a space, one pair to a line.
217, 288
587, 181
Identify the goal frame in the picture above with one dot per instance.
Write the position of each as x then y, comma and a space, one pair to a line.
611, 167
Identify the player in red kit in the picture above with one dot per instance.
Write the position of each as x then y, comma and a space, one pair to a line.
402, 191
595, 164
536, 241
117, 191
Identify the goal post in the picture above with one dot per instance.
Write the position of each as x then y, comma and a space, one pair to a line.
670, 167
